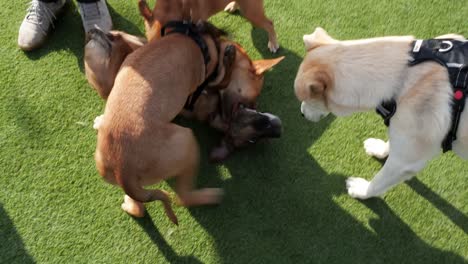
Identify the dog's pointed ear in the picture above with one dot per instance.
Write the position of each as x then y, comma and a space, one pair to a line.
145, 11
316, 39
261, 66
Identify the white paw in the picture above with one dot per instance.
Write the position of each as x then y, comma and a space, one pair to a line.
98, 121
273, 47
357, 187
231, 7
376, 148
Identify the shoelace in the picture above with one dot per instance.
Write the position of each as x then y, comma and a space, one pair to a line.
38, 12
91, 10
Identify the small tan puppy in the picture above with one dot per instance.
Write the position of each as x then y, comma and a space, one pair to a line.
344, 77
137, 143
204, 9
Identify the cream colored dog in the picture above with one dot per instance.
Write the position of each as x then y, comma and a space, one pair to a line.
344, 77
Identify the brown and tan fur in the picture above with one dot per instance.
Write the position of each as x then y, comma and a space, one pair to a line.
203, 9
343, 77
104, 56
138, 145
241, 81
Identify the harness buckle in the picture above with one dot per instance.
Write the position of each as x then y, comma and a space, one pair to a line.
448, 48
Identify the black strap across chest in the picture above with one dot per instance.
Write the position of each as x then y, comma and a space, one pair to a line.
191, 30
452, 54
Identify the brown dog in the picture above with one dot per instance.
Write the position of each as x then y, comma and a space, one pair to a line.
138, 145
196, 10
104, 54
227, 110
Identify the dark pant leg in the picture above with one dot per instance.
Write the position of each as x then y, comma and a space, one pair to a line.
81, 1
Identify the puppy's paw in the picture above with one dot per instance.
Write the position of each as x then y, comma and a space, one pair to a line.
357, 187
376, 148
212, 195
219, 154
231, 7
98, 121
273, 46
133, 207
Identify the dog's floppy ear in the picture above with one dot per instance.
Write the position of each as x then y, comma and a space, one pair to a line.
261, 66
316, 39
145, 11
310, 90
312, 84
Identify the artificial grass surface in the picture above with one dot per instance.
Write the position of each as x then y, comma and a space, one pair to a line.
285, 200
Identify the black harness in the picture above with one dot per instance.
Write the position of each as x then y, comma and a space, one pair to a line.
453, 54
192, 31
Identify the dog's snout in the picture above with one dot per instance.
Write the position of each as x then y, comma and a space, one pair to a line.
276, 126
302, 114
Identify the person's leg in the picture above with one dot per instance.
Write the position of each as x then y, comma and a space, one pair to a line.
37, 22
95, 13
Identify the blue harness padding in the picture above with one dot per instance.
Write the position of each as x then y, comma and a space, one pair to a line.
451, 53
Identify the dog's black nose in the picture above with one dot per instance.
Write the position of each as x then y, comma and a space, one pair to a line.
302, 114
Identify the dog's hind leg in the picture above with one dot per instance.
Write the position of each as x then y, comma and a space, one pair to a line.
254, 12
406, 158
133, 207
187, 170
377, 148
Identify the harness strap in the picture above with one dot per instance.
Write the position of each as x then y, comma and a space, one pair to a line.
192, 99
458, 105
386, 110
190, 30
439, 50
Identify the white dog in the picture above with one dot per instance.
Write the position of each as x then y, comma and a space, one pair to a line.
343, 77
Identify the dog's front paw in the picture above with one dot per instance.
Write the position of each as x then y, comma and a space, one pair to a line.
231, 7
273, 46
98, 121
376, 148
357, 187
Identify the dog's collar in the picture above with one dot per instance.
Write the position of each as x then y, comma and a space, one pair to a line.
191, 30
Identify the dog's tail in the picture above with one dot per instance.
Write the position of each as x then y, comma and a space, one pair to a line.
140, 194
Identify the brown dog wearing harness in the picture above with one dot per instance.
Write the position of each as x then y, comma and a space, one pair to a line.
138, 145
202, 10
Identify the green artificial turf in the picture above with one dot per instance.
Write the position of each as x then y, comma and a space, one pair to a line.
285, 199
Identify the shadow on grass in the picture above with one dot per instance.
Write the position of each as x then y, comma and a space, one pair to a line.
147, 224
280, 204
68, 34
11, 246
457, 217
398, 243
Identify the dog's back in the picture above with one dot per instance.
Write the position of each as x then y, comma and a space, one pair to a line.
149, 91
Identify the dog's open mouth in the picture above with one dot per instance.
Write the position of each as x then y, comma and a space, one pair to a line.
250, 126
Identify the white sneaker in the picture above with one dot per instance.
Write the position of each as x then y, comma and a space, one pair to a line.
37, 22
95, 14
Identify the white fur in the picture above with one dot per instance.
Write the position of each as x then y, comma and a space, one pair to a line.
377, 148
98, 121
368, 71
